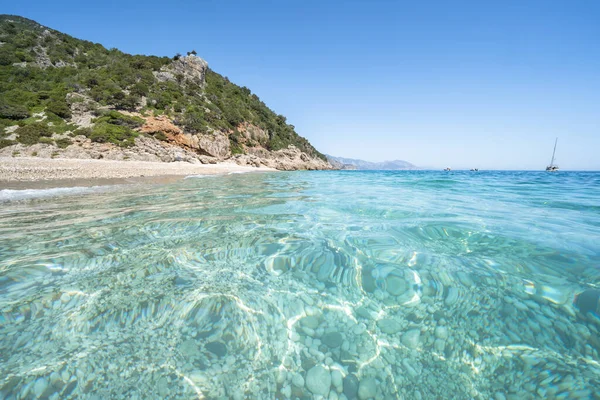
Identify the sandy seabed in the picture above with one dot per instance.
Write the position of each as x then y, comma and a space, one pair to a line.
17, 172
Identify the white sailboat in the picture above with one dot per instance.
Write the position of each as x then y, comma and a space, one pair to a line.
552, 167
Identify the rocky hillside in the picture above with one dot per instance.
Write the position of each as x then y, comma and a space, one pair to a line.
65, 97
351, 163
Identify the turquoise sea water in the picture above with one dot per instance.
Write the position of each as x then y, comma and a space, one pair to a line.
332, 285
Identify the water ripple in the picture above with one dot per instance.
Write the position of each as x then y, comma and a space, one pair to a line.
393, 284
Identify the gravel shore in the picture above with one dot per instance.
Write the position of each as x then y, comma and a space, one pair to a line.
29, 169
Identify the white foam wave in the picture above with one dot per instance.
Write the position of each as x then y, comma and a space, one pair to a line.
29, 194
197, 176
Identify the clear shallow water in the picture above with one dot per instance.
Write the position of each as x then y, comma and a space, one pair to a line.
300, 285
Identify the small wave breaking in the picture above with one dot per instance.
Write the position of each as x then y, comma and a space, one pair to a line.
8, 195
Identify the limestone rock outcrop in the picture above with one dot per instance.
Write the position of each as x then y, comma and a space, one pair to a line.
289, 159
81, 109
160, 124
253, 135
146, 148
188, 68
210, 144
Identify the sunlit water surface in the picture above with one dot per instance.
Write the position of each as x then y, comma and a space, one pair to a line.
333, 285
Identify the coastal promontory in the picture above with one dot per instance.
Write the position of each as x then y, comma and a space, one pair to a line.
66, 98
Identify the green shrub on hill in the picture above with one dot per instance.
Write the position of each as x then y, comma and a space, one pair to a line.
63, 143
6, 142
113, 127
103, 132
59, 107
194, 120
32, 133
45, 140
5, 123
8, 55
82, 131
140, 89
160, 136
117, 118
10, 111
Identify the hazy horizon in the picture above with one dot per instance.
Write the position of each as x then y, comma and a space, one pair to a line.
465, 85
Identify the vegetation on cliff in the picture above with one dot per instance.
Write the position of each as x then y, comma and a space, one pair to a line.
40, 67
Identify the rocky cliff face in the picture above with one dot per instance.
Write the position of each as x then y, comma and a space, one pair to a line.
190, 69
176, 145
286, 159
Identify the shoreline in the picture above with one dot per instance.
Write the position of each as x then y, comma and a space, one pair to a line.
32, 172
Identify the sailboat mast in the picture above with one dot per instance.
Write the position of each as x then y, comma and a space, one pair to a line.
554, 152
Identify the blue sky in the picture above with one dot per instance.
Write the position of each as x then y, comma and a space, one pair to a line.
485, 84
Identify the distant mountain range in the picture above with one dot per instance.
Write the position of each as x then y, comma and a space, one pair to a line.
351, 163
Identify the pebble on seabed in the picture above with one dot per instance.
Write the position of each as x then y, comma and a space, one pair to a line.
351, 386
332, 339
40, 387
367, 388
336, 379
65, 298
298, 380
411, 338
587, 301
318, 380
441, 332
217, 348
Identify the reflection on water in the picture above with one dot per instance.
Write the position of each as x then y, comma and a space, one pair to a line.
337, 285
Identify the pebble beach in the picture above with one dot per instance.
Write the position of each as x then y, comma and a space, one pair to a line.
30, 169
